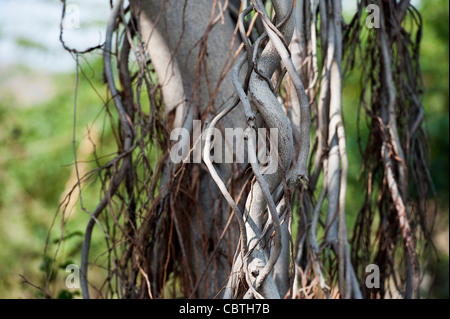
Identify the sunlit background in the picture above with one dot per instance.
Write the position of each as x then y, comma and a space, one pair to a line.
37, 89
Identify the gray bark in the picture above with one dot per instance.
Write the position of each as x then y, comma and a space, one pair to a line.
170, 45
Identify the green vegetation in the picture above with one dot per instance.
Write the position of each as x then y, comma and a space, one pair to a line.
36, 163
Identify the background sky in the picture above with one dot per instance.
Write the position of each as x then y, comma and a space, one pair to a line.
29, 31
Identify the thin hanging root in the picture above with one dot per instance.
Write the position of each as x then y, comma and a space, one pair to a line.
275, 252
266, 192
274, 116
300, 171
313, 240
117, 180
220, 184
403, 221
390, 96
262, 270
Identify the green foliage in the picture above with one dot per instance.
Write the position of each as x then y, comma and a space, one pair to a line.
29, 44
66, 294
435, 66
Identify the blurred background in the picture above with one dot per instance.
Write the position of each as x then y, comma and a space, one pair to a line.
38, 134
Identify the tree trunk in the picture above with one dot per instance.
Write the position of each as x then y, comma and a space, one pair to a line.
189, 59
